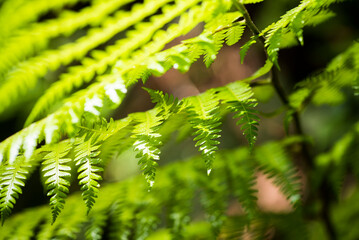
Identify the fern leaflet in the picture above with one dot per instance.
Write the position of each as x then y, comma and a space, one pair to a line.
203, 116
57, 174
89, 168
12, 180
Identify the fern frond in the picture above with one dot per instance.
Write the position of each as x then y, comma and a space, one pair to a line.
79, 75
38, 36
91, 99
203, 116
57, 173
29, 12
147, 143
13, 178
167, 103
274, 161
246, 46
25, 77
294, 21
86, 157
248, 120
234, 34
133, 211
238, 94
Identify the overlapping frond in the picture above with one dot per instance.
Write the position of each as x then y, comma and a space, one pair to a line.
307, 13
101, 140
148, 59
29, 12
133, 211
25, 77
37, 37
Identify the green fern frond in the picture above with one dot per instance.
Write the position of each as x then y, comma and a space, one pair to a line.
13, 178
167, 103
234, 34
203, 116
86, 157
133, 211
101, 60
37, 37
246, 46
57, 173
147, 142
238, 95
25, 77
146, 138
248, 119
91, 99
294, 21
274, 161
29, 12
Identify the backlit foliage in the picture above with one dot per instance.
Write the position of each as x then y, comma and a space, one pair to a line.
102, 49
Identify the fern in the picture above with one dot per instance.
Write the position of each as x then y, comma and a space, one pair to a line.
57, 174
293, 22
147, 143
237, 95
84, 59
204, 119
37, 37
12, 180
89, 168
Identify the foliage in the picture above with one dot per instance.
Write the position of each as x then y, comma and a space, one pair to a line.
109, 47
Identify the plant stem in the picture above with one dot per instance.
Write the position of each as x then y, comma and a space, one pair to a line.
324, 190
